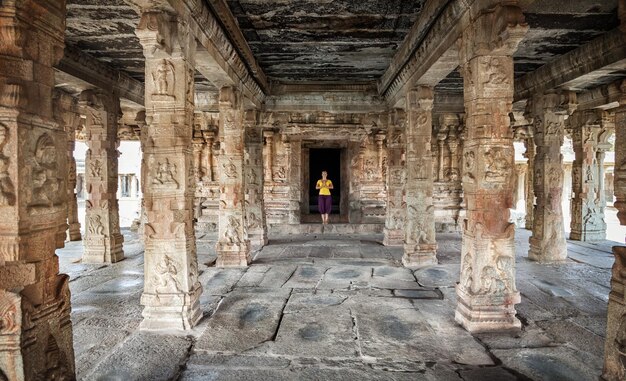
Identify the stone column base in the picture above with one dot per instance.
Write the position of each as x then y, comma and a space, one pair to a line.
393, 237
60, 236
233, 255
487, 313
547, 251
73, 232
588, 235
103, 249
420, 255
166, 311
257, 241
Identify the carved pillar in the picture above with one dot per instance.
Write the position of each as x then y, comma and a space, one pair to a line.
35, 326
233, 246
441, 140
207, 156
268, 156
66, 112
253, 164
143, 134
587, 206
615, 342
380, 139
198, 144
294, 153
171, 287
547, 243
529, 188
103, 241
487, 293
420, 247
396, 211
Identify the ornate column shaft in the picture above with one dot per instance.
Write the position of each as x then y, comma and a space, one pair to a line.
198, 144
487, 293
268, 155
396, 211
420, 247
207, 156
547, 243
294, 152
615, 339
66, 110
529, 188
253, 164
233, 245
587, 206
171, 287
380, 139
35, 326
103, 241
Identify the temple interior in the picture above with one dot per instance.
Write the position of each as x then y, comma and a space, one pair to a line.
160, 203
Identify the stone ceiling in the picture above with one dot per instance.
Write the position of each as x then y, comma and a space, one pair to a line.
343, 41
325, 40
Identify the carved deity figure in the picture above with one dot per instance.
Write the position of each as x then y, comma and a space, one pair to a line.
46, 184
490, 282
165, 172
497, 165
466, 272
230, 170
253, 221
164, 78
165, 276
232, 231
95, 225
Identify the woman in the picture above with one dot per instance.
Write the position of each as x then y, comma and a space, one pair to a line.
324, 200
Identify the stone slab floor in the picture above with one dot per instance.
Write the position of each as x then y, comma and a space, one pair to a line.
330, 307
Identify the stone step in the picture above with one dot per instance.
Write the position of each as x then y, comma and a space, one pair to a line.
286, 229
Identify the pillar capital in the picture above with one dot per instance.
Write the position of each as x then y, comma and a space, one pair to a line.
421, 97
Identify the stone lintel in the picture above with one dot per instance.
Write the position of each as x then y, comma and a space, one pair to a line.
222, 62
570, 69
88, 72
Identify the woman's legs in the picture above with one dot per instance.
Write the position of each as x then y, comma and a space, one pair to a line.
324, 203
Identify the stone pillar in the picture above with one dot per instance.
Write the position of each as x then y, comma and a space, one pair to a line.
35, 326
233, 246
207, 156
529, 188
293, 146
253, 164
103, 241
379, 138
171, 287
396, 211
587, 203
486, 292
442, 135
420, 247
66, 110
615, 341
198, 144
268, 156
549, 111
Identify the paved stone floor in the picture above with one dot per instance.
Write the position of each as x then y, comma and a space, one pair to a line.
326, 307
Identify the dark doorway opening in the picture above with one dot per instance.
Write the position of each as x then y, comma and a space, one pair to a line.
329, 160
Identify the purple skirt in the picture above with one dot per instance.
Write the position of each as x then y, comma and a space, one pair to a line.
324, 203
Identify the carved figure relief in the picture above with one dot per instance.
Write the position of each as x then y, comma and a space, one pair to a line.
232, 231
165, 174
497, 165
8, 317
254, 222
490, 282
95, 169
252, 178
495, 73
7, 191
466, 272
46, 184
230, 170
164, 79
280, 174
165, 278
469, 162
95, 225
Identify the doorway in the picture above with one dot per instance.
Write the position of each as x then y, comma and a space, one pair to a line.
329, 160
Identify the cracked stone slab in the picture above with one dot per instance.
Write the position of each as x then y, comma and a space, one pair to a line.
339, 277
306, 277
300, 302
326, 332
438, 276
245, 319
220, 281
553, 363
144, 356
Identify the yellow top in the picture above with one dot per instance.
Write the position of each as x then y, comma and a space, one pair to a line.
323, 185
